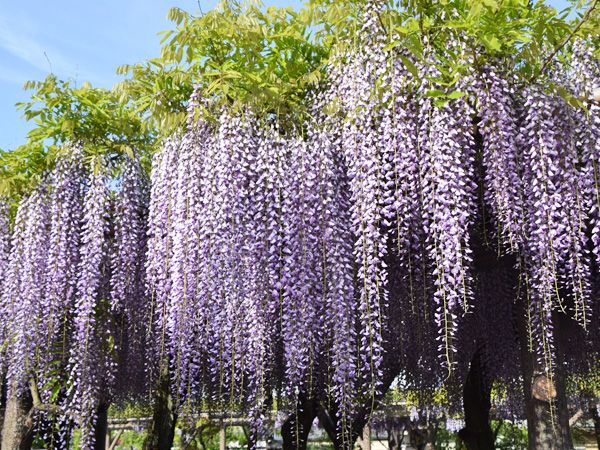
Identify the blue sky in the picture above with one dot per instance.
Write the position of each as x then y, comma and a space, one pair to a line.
82, 41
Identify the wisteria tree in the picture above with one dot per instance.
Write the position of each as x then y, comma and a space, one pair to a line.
75, 250
356, 198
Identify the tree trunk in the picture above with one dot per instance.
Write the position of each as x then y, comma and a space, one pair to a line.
431, 436
2, 400
296, 428
596, 419
328, 418
252, 437
477, 434
101, 428
547, 421
17, 432
161, 430
365, 438
395, 432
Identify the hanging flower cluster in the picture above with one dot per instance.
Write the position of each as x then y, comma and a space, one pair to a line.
89, 365
128, 301
5, 237
499, 128
58, 309
62, 263
251, 225
23, 301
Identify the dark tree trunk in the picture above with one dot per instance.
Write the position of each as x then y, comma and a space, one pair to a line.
328, 417
477, 434
161, 430
251, 437
596, 419
17, 433
101, 428
395, 432
3, 393
423, 438
547, 421
296, 428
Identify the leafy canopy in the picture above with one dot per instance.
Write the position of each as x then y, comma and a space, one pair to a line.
268, 58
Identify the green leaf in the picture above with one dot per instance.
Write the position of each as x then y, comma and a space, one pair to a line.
68, 126
491, 42
435, 93
455, 95
410, 66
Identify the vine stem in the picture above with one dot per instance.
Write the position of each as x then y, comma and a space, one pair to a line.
566, 40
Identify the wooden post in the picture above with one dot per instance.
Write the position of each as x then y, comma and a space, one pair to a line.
222, 437
115, 441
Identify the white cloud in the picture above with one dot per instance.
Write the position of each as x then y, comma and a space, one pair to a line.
43, 58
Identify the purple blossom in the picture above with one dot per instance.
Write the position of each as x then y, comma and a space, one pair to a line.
92, 326
23, 296
503, 184
128, 300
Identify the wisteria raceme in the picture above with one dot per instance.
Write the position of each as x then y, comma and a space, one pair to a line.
255, 305
573, 254
240, 295
5, 237
498, 127
448, 190
258, 319
128, 301
359, 144
209, 297
302, 283
222, 282
559, 196
267, 196
411, 329
184, 306
408, 179
63, 255
160, 222
11, 279
90, 363
338, 274
24, 301
585, 77
547, 225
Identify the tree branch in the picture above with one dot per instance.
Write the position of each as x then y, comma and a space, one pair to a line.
37, 401
566, 40
573, 420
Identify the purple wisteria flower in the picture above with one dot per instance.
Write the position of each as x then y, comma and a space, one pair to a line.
90, 365
23, 296
128, 301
